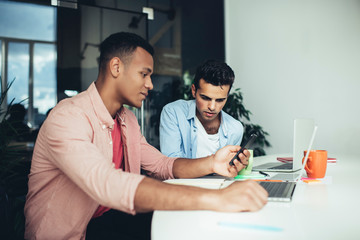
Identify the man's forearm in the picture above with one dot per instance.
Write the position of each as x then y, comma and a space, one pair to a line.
155, 195
218, 163
192, 168
240, 196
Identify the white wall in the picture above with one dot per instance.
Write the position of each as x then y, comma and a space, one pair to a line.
298, 58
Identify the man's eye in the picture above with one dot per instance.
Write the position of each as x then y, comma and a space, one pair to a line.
205, 98
220, 100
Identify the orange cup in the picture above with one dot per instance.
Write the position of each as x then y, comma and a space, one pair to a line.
316, 164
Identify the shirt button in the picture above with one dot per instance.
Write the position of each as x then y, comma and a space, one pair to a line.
110, 142
103, 126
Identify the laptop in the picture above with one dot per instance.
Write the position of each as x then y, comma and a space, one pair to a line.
303, 129
284, 189
279, 191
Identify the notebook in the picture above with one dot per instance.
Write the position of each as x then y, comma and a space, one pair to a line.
303, 129
284, 190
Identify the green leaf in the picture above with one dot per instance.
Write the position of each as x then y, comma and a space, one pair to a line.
235, 107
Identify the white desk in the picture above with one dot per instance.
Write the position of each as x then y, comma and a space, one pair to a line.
327, 210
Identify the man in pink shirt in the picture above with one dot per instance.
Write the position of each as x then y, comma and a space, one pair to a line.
89, 153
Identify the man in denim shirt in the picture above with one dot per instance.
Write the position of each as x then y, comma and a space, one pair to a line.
198, 128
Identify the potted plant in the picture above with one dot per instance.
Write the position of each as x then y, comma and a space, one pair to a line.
14, 169
235, 107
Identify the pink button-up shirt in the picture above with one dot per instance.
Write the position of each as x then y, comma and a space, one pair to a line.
72, 171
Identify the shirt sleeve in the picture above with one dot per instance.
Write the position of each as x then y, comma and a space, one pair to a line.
69, 136
156, 164
237, 132
171, 142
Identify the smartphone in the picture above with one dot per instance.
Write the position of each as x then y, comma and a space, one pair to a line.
246, 146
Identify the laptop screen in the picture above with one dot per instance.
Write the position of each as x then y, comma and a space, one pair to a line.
303, 130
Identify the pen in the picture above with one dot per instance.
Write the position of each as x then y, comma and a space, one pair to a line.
264, 173
249, 226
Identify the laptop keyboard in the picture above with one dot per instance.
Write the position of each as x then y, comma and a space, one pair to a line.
278, 190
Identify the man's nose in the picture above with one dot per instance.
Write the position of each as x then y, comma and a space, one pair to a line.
211, 105
148, 83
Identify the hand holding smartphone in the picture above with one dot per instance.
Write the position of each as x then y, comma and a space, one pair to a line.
247, 145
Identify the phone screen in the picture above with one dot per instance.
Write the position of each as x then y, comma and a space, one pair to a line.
247, 145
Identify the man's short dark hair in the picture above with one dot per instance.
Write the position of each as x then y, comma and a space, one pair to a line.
121, 45
214, 72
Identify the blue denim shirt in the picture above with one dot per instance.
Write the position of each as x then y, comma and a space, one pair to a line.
178, 133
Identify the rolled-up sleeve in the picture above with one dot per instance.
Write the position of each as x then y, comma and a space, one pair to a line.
156, 164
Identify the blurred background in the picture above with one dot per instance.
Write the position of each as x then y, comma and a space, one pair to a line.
50, 48
49, 51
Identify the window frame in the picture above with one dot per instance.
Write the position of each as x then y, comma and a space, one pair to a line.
4, 74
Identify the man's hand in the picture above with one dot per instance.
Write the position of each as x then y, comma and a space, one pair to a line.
242, 196
222, 158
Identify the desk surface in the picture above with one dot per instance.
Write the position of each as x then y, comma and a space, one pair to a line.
326, 210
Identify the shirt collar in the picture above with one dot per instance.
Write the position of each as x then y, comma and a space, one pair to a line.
121, 114
99, 107
223, 124
192, 110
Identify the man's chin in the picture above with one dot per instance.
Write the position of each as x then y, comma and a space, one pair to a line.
135, 105
209, 118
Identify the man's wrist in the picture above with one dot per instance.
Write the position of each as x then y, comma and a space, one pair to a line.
211, 162
211, 200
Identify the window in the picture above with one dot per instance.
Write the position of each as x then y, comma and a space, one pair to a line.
44, 80
28, 56
27, 21
18, 70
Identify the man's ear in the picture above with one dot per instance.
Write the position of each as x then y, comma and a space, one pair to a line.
115, 66
193, 90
